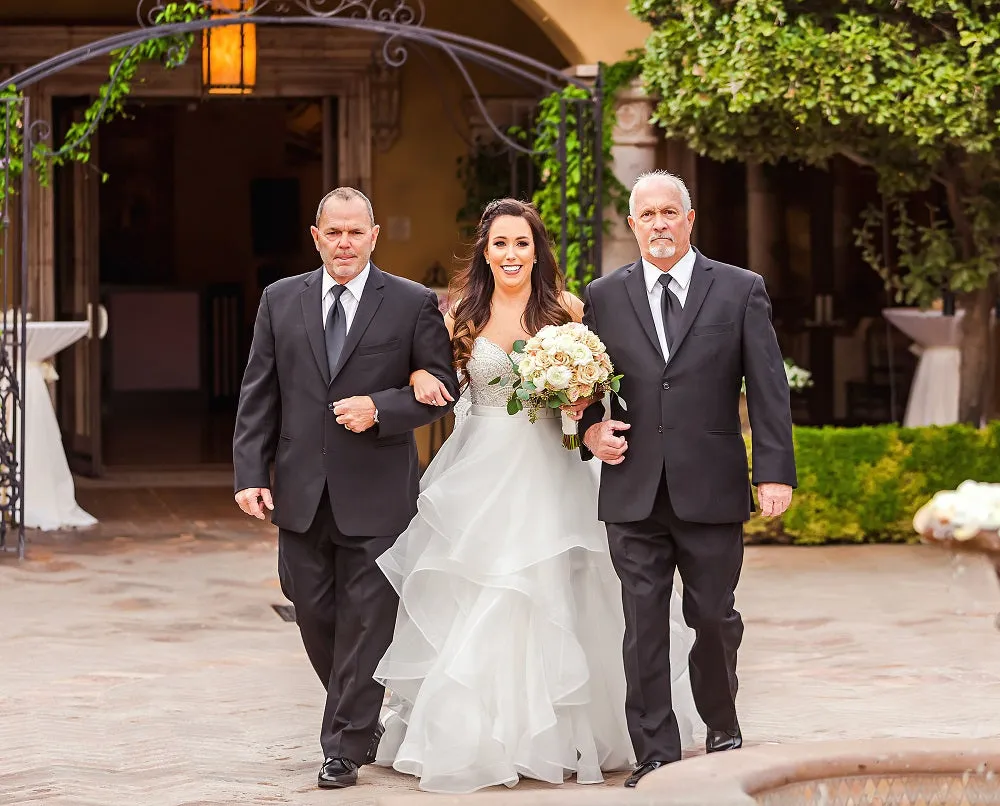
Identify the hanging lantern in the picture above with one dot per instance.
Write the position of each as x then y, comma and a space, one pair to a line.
229, 52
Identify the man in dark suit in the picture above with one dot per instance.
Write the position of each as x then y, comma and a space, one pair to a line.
326, 398
684, 330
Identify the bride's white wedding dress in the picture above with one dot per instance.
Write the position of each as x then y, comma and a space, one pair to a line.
507, 654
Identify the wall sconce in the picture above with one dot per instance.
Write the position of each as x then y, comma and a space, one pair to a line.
384, 84
229, 52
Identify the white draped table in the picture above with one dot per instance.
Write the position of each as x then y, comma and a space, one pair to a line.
49, 493
934, 394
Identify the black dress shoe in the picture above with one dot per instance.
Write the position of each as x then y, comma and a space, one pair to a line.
643, 769
718, 740
336, 773
373, 747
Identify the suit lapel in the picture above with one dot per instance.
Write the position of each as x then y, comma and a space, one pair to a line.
635, 284
312, 311
371, 298
701, 281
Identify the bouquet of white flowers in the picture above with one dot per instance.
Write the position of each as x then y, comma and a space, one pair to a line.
556, 367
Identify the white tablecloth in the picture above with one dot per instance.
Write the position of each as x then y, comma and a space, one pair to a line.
49, 493
934, 394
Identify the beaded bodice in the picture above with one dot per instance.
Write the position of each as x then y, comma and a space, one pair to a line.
487, 362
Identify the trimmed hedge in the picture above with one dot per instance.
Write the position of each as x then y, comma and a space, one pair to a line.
865, 484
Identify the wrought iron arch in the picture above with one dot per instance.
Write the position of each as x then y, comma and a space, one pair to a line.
399, 22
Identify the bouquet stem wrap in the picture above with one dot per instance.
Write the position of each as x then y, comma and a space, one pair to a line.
571, 432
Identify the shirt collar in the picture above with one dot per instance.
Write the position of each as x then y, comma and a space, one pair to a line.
680, 273
355, 286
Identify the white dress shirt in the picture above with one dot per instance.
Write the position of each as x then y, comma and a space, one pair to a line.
680, 281
348, 300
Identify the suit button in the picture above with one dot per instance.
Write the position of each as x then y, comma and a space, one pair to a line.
666, 386
659, 429
330, 406
324, 451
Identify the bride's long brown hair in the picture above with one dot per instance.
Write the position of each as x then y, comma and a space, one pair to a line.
474, 285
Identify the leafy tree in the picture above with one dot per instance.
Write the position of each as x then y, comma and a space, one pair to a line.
909, 88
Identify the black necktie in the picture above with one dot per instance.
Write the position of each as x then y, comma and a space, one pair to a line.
671, 308
336, 329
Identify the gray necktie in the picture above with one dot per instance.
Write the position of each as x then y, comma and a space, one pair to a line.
336, 329
671, 308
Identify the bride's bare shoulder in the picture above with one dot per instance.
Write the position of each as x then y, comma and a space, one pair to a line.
573, 305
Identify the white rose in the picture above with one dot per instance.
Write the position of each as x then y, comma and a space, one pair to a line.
527, 366
558, 377
546, 331
539, 380
581, 355
566, 341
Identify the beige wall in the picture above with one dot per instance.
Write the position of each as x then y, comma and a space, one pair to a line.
588, 31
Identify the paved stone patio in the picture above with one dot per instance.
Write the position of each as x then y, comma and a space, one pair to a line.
141, 662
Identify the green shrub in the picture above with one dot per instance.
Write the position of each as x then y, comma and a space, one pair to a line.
865, 484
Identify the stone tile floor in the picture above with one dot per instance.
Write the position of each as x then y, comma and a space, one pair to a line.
141, 662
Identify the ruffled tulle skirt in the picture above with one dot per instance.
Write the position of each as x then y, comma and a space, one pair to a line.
507, 655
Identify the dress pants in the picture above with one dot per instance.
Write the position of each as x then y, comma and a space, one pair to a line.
346, 612
709, 558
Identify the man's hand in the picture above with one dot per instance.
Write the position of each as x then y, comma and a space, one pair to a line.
774, 498
604, 443
355, 413
250, 501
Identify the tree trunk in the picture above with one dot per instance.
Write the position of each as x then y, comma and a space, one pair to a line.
977, 355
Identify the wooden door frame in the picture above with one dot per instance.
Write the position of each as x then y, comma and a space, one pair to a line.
293, 63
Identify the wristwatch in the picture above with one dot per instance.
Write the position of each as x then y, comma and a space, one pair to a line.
375, 417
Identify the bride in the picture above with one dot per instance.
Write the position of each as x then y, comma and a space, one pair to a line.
507, 655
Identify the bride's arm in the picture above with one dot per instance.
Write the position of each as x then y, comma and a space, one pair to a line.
426, 388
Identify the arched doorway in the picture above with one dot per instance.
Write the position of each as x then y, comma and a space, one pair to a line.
348, 132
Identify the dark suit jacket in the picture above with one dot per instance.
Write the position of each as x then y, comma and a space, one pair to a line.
684, 414
286, 414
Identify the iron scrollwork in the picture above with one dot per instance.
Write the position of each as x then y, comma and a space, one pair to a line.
13, 337
399, 22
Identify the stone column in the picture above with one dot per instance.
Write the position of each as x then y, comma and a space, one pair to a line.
633, 153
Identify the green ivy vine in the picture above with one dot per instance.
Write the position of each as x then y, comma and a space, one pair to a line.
485, 171
580, 233
170, 51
